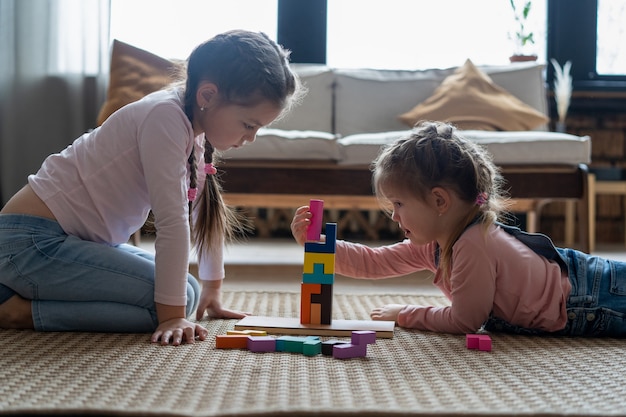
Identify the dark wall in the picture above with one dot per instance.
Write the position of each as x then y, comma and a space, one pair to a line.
302, 29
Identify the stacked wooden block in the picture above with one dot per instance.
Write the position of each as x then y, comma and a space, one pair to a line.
318, 276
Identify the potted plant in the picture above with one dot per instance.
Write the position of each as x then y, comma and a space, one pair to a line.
522, 37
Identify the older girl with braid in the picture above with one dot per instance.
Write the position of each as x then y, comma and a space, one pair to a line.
64, 261
446, 195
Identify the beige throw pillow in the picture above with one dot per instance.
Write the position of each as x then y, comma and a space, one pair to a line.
134, 74
470, 99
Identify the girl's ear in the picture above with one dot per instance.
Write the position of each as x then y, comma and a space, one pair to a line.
441, 198
206, 94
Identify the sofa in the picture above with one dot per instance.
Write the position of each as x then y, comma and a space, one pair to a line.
324, 146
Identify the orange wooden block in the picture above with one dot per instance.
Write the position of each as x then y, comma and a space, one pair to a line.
305, 301
231, 341
316, 314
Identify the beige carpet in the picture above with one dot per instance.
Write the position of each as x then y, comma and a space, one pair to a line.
415, 373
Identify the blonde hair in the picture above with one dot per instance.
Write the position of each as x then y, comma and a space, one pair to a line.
435, 154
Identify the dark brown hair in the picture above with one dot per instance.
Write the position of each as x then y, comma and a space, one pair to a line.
248, 68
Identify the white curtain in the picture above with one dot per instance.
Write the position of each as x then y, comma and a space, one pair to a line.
54, 58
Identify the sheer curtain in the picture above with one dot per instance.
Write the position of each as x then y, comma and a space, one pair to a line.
53, 71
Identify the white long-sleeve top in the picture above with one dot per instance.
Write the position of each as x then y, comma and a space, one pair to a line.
103, 186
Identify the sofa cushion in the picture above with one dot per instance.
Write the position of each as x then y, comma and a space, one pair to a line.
507, 148
470, 99
315, 111
134, 73
278, 144
369, 100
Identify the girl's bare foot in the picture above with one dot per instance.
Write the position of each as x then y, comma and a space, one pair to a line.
15, 313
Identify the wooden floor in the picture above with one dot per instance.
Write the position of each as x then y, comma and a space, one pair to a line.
275, 264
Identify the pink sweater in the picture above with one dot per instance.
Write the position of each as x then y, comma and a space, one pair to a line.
491, 272
102, 187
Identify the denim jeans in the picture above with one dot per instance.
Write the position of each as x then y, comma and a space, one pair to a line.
596, 306
79, 285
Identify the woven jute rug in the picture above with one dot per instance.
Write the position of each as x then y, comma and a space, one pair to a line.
412, 374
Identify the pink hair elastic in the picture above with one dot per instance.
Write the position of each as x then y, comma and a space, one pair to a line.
191, 194
210, 169
481, 199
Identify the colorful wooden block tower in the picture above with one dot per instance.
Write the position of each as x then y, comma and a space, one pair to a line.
318, 277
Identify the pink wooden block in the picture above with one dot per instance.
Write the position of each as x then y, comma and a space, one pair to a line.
314, 231
471, 341
478, 341
484, 343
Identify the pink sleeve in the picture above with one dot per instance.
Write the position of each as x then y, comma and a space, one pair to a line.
471, 293
361, 261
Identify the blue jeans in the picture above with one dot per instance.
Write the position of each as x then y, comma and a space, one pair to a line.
596, 306
79, 285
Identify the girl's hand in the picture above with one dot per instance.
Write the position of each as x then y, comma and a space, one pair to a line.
388, 312
177, 331
301, 220
211, 302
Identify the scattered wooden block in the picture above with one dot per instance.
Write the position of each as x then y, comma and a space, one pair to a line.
261, 344
478, 341
231, 341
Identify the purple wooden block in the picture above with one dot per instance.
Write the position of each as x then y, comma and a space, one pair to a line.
261, 344
363, 337
348, 350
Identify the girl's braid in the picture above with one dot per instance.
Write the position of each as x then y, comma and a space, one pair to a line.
193, 177
218, 219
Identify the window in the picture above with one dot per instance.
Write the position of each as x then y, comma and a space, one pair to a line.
611, 32
589, 33
395, 34
407, 34
172, 29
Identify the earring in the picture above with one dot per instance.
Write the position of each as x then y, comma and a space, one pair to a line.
202, 108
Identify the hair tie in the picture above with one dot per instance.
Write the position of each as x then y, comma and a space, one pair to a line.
481, 199
210, 169
191, 194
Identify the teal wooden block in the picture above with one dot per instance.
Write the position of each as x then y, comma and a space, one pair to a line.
318, 276
312, 347
293, 344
